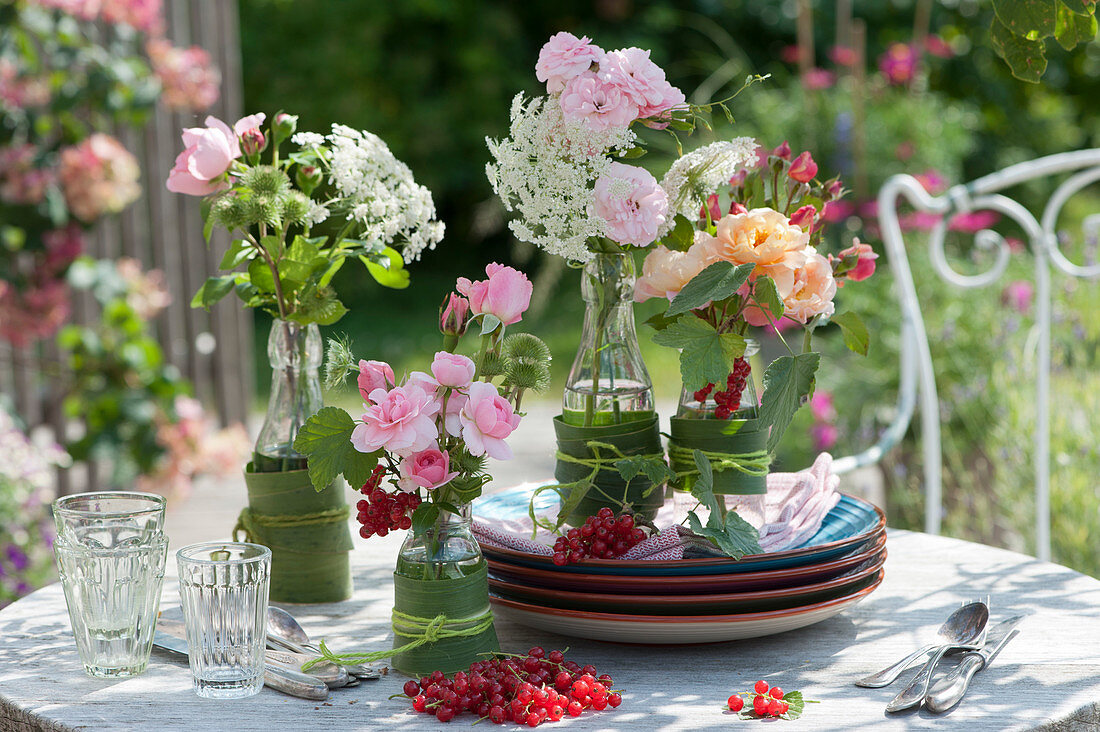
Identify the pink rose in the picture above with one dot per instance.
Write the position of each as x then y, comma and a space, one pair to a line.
599, 104
641, 80
711, 207
374, 375
804, 218
208, 153
783, 151
401, 421
803, 169
865, 262
487, 419
813, 291
665, 271
451, 423
453, 370
454, 315
506, 294
899, 63
632, 203
564, 57
426, 469
423, 381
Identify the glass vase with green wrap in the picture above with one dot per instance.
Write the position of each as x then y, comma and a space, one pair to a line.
295, 220
757, 266
419, 450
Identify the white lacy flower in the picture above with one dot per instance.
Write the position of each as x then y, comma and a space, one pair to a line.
317, 213
308, 139
701, 172
546, 170
377, 191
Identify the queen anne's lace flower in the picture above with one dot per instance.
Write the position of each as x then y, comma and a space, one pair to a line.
699, 173
378, 192
307, 140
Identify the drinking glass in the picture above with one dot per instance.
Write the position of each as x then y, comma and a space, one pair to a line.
112, 594
109, 519
223, 591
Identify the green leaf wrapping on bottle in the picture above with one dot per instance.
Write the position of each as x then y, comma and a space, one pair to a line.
717, 282
786, 381
325, 439
656, 469
706, 356
854, 329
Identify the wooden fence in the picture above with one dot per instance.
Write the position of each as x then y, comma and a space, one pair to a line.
162, 230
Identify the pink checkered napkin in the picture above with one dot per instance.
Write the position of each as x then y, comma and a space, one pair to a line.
796, 505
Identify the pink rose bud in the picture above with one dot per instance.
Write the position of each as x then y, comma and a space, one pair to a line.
284, 125
804, 217
253, 142
834, 189
454, 315
738, 178
505, 295
783, 151
453, 370
864, 265
711, 207
737, 208
308, 177
374, 375
803, 169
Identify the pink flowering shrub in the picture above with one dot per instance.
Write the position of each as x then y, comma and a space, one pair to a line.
99, 176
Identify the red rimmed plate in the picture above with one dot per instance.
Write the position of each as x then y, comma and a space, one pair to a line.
771, 579
686, 604
852, 523
655, 630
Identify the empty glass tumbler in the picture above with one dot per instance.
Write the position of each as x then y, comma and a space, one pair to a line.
110, 553
223, 591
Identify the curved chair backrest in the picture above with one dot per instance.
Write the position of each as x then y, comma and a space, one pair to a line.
916, 368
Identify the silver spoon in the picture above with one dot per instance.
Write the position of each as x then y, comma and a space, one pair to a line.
284, 630
957, 625
969, 625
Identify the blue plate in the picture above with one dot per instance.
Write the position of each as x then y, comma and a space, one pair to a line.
848, 526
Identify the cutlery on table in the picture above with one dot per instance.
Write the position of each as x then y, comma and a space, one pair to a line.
953, 633
284, 631
970, 628
278, 677
949, 691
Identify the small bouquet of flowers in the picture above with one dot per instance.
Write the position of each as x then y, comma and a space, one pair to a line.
419, 453
371, 211
756, 265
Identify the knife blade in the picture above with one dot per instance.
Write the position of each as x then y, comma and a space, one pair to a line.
949, 691
280, 678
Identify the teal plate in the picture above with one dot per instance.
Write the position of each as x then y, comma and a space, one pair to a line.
848, 526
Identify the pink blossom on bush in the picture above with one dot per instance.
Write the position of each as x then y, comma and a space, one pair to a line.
803, 168
821, 405
898, 64
838, 211
429, 469
188, 78
99, 176
1018, 295
932, 181
21, 182
62, 247
374, 375
453, 369
974, 221
600, 104
144, 15
824, 436
790, 54
147, 292
632, 203
83, 9
487, 419
816, 79
21, 91
564, 57
641, 80
401, 421
937, 46
33, 313
208, 153
505, 295
842, 55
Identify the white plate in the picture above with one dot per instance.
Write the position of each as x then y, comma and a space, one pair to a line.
650, 630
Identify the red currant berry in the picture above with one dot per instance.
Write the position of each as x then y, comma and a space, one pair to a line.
411, 688
444, 714
574, 709
776, 693
735, 703
420, 703
761, 687
614, 699
760, 705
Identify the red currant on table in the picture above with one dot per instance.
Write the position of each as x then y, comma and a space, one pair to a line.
735, 703
761, 687
776, 693
603, 536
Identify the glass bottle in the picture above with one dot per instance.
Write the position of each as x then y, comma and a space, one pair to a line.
295, 353
608, 383
447, 550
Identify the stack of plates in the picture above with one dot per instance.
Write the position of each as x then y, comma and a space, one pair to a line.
688, 600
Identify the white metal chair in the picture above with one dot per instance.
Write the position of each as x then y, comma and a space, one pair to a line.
916, 368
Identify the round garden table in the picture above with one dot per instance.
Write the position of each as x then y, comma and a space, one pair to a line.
1047, 678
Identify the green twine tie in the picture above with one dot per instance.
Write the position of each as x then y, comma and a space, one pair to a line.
753, 463
421, 630
251, 525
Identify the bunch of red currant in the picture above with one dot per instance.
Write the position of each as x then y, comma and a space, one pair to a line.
768, 702
603, 536
532, 689
728, 401
382, 511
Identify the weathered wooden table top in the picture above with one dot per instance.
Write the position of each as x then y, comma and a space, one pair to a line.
1047, 678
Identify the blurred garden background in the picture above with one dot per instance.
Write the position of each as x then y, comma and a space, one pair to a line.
872, 87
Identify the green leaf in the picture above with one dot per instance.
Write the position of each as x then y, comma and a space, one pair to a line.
1032, 19
702, 489
293, 275
424, 518
259, 274
207, 222
682, 235
302, 250
634, 152
767, 296
736, 537
1024, 57
655, 468
855, 332
1072, 28
273, 244
489, 323
786, 381
795, 705
214, 289
1081, 7
238, 252
706, 357
325, 439
319, 306
660, 321
387, 268
717, 282
333, 268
